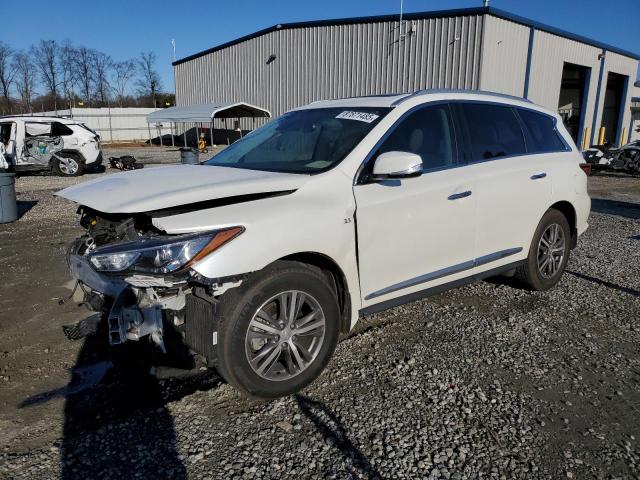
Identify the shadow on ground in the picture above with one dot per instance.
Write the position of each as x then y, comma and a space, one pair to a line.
334, 434
24, 206
116, 422
611, 285
616, 207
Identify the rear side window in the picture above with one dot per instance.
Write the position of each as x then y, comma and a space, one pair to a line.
541, 132
492, 131
427, 132
60, 130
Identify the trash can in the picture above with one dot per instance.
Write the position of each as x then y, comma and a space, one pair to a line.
189, 156
8, 204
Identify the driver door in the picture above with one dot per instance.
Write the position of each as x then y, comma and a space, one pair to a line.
416, 233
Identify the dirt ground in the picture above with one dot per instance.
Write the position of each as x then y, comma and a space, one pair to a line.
37, 361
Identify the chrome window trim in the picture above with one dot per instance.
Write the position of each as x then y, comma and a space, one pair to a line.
460, 267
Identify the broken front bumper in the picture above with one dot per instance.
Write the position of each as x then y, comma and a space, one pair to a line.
138, 307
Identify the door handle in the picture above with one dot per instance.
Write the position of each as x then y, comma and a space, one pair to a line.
456, 196
538, 176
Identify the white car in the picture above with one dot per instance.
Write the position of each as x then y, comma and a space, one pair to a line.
258, 259
61, 145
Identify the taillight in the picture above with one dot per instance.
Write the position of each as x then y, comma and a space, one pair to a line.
586, 168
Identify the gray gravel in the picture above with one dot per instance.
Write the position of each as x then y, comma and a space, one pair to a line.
486, 381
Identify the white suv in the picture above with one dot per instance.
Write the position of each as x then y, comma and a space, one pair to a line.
62, 145
258, 259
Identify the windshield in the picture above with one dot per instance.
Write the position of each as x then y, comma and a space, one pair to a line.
303, 141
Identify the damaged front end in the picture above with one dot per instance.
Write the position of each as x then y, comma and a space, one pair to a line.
141, 282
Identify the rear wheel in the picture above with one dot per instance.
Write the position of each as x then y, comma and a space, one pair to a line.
278, 330
548, 254
68, 164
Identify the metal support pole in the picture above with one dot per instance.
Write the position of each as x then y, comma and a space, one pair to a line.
160, 134
211, 132
173, 141
149, 128
184, 135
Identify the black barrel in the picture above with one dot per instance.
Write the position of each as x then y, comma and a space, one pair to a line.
189, 156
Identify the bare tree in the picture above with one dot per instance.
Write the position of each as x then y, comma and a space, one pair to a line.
101, 64
68, 72
149, 81
45, 55
83, 72
124, 72
25, 79
7, 73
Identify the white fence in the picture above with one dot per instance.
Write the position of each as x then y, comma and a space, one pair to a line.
116, 124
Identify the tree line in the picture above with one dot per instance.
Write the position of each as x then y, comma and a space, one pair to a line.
53, 75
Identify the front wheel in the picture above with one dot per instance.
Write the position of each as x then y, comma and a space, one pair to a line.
68, 165
548, 254
278, 330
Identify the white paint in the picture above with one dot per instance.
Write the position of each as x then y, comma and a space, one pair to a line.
404, 230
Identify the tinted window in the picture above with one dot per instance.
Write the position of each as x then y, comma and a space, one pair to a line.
60, 130
302, 141
492, 131
427, 132
541, 132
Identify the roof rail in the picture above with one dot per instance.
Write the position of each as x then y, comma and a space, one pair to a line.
427, 91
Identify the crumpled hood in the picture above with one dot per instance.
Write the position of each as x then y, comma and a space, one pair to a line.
163, 187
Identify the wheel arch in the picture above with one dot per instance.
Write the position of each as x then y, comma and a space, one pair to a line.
569, 212
336, 277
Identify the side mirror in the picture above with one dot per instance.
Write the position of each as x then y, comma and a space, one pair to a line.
397, 165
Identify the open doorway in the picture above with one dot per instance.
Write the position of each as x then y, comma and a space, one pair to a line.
613, 106
573, 91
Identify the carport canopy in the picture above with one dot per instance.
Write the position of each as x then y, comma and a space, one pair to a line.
206, 112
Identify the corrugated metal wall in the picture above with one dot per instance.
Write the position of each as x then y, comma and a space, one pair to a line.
504, 56
550, 52
326, 62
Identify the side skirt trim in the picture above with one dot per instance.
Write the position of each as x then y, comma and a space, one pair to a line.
460, 267
411, 297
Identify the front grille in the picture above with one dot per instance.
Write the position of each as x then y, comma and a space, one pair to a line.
201, 327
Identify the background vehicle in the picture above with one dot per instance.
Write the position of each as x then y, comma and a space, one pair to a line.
260, 258
62, 145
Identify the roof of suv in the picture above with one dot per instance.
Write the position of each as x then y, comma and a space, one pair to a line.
37, 118
393, 100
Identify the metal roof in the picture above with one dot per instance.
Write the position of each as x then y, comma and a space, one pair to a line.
205, 112
416, 16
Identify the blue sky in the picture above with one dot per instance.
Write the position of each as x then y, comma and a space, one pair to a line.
125, 28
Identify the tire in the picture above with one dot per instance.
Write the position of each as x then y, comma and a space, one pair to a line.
68, 164
241, 339
538, 275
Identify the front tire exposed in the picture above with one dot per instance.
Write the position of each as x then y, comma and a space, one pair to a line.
548, 254
278, 330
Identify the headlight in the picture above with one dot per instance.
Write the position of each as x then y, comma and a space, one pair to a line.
161, 254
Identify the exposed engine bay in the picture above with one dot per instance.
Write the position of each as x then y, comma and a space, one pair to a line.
139, 281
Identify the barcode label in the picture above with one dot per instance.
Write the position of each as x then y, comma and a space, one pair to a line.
359, 116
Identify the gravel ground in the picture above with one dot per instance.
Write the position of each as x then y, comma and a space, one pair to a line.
486, 381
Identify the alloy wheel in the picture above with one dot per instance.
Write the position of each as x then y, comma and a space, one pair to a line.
551, 250
68, 166
285, 335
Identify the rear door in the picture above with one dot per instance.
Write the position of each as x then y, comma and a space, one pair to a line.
415, 233
512, 187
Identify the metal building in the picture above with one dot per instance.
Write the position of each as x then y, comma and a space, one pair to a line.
288, 65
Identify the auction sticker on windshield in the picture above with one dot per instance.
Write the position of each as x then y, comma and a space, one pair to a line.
360, 116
